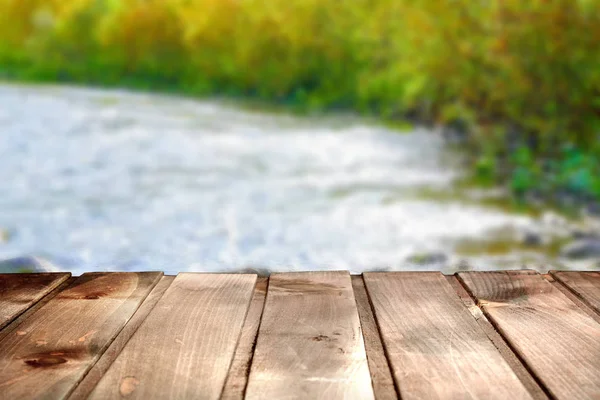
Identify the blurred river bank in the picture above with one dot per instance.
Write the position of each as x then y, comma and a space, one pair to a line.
113, 180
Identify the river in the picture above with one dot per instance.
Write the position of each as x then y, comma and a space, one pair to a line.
112, 180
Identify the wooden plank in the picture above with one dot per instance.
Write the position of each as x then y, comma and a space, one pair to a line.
50, 352
91, 379
18, 292
435, 347
310, 343
586, 285
184, 348
583, 306
533, 387
33, 309
237, 379
559, 343
381, 374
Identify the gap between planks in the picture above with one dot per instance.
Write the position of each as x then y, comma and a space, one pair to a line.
91, 379
31, 310
381, 374
434, 346
310, 342
237, 378
58, 344
194, 327
527, 378
19, 292
558, 341
580, 298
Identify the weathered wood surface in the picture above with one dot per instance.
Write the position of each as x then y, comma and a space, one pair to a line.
301, 335
435, 347
533, 387
184, 348
18, 292
586, 285
8, 330
50, 352
559, 342
237, 379
94, 375
310, 343
579, 302
381, 375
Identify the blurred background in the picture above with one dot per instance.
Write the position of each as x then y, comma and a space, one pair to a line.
228, 135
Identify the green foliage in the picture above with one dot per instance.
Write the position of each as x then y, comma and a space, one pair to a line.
534, 65
579, 172
485, 170
524, 175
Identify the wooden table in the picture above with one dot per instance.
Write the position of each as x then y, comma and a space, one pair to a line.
309, 335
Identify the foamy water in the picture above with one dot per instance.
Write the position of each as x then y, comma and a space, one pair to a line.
95, 179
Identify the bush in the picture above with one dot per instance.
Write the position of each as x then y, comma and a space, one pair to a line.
517, 74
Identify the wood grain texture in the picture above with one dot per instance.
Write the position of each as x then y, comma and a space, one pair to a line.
310, 343
184, 348
381, 374
435, 347
237, 379
91, 379
583, 306
50, 352
559, 343
33, 309
18, 292
586, 285
533, 387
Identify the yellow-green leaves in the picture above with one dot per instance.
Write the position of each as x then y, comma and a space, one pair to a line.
535, 64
